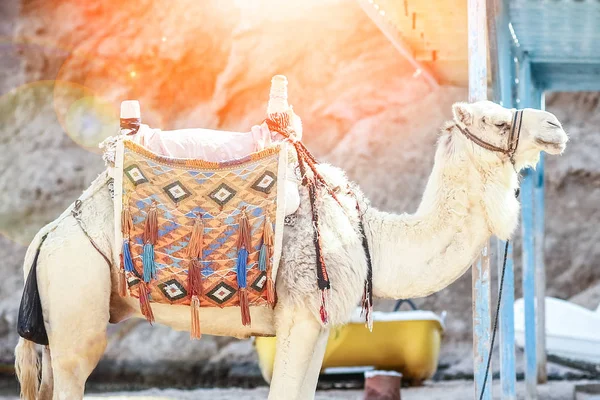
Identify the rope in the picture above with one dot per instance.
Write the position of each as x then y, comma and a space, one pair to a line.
489, 361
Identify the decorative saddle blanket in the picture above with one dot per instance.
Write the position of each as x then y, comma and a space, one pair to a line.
199, 233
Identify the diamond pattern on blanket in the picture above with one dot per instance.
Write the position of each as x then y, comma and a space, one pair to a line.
135, 175
172, 289
222, 194
265, 182
259, 282
176, 191
183, 190
221, 293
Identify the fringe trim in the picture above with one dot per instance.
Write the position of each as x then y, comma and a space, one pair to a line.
263, 257
126, 222
324, 303
244, 232
145, 308
271, 295
195, 332
241, 265
148, 261
268, 235
245, 307
265, 262
151, 227
195, 279
127, 259
197, 163
122, 283
195, 246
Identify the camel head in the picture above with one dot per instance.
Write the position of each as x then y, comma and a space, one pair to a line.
491, 123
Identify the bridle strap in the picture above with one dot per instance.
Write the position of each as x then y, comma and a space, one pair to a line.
481, 143
513, 139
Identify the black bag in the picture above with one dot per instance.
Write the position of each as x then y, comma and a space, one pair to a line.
30, 324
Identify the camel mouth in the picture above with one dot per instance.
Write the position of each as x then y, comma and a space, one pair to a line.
552, 146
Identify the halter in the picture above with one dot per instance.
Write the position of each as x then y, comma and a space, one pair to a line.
513, 139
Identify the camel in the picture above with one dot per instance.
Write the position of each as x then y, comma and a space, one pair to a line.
470, 196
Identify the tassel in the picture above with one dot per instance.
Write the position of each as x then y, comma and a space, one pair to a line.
243, 245
145, 307
242, 262
148, 261
270, 292
244, 233
127, 260
267, 245
196, 239
151, 227
245, 307
268, 235
195, 279
263, 257
323, 310
126, 222
195, 310
122, 283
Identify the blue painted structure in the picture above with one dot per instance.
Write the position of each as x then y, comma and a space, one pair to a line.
481, 273
555, 46
503, 80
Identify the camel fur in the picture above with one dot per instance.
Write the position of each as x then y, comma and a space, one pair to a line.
468, 198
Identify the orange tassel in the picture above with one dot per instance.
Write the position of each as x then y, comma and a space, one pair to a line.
244, 233
271, 299
195, 278
268, 236
151, 227
122, 283
145, 307
196, 243
245, 307
126, 222
195, 309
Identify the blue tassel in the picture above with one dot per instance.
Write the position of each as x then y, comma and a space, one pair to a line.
262, 257
148, 260
127, 260
242, 261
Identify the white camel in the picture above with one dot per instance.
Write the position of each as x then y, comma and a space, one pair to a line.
468, 198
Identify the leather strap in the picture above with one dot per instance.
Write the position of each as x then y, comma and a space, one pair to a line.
513, 139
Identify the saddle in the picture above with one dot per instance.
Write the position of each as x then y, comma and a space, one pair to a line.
199, 213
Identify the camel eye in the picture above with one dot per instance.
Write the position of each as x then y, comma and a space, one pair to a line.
500, 124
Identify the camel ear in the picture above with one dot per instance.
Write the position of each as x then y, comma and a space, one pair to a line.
463, 113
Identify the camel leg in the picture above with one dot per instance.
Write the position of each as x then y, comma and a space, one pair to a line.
75, 290
309, 386
298, 332
46, 386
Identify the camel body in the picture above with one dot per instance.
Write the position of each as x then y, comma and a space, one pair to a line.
468, 198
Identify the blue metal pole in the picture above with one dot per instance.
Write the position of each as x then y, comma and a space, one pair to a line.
482, 322
528, 258
540, 267
508, 375
506, 81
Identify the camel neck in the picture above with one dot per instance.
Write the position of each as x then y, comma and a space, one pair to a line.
417, 254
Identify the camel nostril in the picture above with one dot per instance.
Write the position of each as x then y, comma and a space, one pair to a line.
554, 124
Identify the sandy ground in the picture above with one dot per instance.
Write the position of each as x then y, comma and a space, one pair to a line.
452, 390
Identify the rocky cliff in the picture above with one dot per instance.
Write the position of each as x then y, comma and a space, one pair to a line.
208, 64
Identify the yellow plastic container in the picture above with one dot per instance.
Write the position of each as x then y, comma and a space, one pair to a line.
404, 341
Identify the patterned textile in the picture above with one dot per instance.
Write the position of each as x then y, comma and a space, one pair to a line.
213, 196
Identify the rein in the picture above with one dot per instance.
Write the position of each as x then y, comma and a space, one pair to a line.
280, 123
513, 143
513, 139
